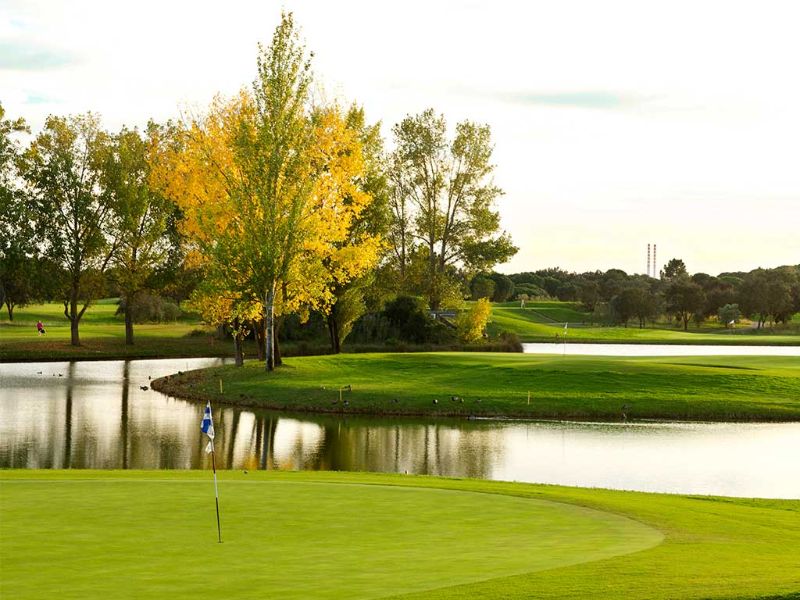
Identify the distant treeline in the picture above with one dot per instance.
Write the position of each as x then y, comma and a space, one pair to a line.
615, 297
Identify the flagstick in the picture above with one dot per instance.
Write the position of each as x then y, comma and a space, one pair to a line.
216, 491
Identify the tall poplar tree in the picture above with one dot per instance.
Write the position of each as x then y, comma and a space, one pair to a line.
139, 218
269, 190
444, 197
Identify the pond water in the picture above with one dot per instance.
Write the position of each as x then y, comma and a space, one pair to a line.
95, 415
658, 350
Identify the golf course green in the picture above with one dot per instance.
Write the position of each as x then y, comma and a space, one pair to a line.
122, 534
722, 388
542, 321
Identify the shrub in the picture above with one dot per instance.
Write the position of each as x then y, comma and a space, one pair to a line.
471, 323
151, 308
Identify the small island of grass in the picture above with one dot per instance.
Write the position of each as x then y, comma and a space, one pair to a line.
729, 388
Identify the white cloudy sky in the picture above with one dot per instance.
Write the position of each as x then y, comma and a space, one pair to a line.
615, 123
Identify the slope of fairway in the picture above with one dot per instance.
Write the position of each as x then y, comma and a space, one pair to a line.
533, 324
286, 538
489, 384
84, 534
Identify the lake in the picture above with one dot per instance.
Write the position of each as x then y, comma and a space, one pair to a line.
95, 414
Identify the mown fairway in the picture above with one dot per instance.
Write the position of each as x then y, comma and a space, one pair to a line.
542, 321
572, 387
89, 534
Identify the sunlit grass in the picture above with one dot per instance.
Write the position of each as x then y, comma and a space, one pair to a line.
529, 325
492, 384
92, 534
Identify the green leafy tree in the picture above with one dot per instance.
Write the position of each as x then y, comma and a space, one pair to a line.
443, 199
612, 283
65, 170
752, 296
729, 314
588, 293
17, 247
674, 269
684, 298
139, 217
503, 287
482, 286
767, 295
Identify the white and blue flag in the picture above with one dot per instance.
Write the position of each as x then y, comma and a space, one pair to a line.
207, 427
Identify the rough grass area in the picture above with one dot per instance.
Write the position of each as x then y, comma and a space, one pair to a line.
484, 384
89, 534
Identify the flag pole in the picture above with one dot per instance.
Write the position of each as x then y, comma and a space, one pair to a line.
207, 427
216, 491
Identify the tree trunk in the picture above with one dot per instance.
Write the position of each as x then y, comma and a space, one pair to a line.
333, 331
75, 339
258, 331
269, 328
237, 344
10, 308
277, 353
129, 320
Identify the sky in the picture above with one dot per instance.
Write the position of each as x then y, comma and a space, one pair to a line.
615, 124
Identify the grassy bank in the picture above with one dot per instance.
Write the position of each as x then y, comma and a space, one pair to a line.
102, 334
484, 384
343, 535
542, 321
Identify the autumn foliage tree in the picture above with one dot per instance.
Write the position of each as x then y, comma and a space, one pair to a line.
269, 187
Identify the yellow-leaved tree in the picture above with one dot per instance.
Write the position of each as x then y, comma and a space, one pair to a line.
471, 323
269, 190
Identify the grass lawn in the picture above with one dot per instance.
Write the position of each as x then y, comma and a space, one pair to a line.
102, 335
491, 384
534, 324
104, 534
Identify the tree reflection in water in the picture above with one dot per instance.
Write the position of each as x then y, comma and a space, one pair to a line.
96, 415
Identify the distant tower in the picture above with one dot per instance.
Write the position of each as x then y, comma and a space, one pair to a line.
655, 271
648, 260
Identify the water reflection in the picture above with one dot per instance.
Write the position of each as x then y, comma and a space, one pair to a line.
573, 349
101, 415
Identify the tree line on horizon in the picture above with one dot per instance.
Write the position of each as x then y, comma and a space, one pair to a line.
614, 297
269, 205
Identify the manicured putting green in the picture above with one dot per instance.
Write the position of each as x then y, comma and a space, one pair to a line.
156, 538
